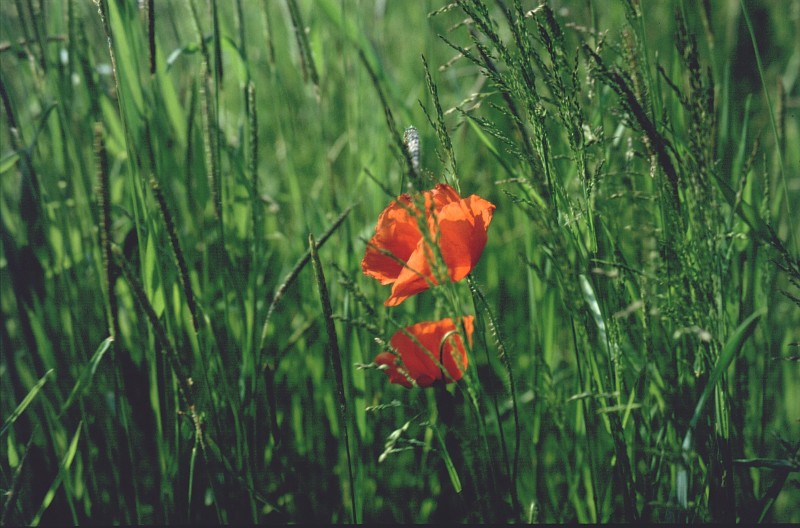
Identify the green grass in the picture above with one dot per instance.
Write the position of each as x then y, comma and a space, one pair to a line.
187, 335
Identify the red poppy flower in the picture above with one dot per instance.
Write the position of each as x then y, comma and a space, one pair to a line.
398, 254
419, 365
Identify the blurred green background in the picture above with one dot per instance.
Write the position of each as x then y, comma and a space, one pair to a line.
261, 124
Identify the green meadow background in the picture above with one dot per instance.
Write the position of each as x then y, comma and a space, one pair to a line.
177, 349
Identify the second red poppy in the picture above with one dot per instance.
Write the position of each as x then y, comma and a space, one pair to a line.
444, 357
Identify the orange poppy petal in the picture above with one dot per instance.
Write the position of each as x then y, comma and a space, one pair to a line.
392, 370
397, 254
463, 227
420, 366
397, 234
423, 364
442, 195
414, 276
453, 358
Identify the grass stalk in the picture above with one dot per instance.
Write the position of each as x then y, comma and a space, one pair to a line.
441, 130
414, 180
505, 360
177, 365
177, 253
336, 362
104, 200
291, 277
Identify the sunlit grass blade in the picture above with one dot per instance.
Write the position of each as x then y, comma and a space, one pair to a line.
8, 161
88, 373
63, 468
26, 401
192, 461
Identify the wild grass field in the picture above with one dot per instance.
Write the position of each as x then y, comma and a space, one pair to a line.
220, 307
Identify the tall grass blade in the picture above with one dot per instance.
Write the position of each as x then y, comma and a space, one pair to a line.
502, 353
729, 352
151, 34
336, 361
192, 461
771, 112
448, 462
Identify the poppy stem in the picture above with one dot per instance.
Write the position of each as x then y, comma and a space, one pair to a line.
450, 505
